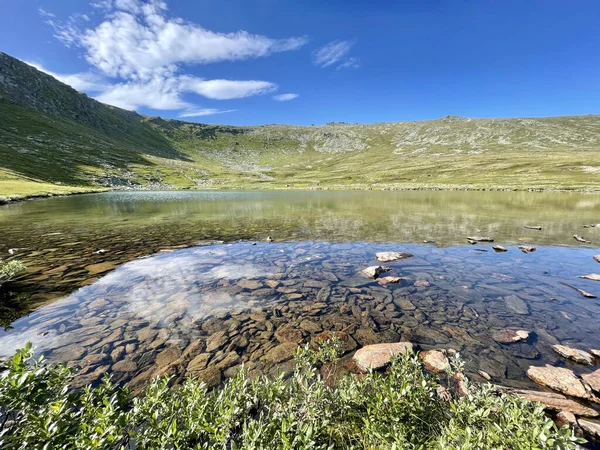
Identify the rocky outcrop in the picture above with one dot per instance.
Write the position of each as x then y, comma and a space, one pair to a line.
559, 379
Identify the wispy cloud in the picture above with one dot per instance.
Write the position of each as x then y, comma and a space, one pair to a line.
42, 12
205, 112
332, 53
285, 97
350, 63
144, 52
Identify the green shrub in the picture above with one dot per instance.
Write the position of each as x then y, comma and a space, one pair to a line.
396, 410
10, 269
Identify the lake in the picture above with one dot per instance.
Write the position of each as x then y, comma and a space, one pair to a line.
143, 283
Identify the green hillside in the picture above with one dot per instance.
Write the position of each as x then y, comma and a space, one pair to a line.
54, 139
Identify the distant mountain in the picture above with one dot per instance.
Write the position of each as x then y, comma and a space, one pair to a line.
52, 134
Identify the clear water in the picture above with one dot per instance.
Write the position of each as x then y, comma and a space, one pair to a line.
452, 294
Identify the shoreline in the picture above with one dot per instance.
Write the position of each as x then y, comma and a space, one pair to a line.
12, 200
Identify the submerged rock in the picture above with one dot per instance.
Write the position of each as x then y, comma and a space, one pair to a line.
281, 353
527, 248
94, 269
581, 291
558, 379
533, 227
392, 256
508, 336
377, 356
434, 361
386, 280
574, 354
375, 271
516, 305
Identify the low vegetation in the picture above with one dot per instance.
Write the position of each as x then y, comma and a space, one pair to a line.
10, 269
397, 410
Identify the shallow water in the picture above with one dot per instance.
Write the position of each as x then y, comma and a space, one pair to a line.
237, 302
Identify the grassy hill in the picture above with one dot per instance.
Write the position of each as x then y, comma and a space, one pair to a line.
54, 139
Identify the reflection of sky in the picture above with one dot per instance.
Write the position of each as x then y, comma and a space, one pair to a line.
156, 289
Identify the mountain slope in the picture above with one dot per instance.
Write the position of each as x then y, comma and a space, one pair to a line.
52, 135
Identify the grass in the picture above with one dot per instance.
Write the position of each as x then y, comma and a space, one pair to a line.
396, 410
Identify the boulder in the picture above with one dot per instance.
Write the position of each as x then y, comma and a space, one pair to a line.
282, 352
375, 271
198, 363
553, 401
593, 379
558, 379
216, 341
377, 356
167, 356
509, 336
434, 361
591, 428
565, 419
392, 256
574, 354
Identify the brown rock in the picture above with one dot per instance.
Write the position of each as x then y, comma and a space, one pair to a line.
249, 284
96, 358
377, 356
211, 376
484, 375
572, 353
596, 353
508, 336
558, 379
348, 341
167, 356
125, 365
231, 359
421, 283
310, 326
375, 271
198, 363
434, 361
591, 428
288, 333
565, 418
392, 256
282, 352
596, 258
554, 402
527, 248
216, 341
499, 248
593, 379
462, 389
94, 269
386, 280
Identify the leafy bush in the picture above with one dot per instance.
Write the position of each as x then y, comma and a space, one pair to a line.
9, 270
396, 410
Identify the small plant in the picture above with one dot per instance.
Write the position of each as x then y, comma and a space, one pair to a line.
396, 410
10, 269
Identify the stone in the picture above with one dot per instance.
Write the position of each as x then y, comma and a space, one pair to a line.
533, 227
392, 256
231, 359
249, 284
95, 269
591, 276
96, 358
117, 353
516, 305
527, 248
508, 336
593, 379
480, 239
125, 365
580, 238
376, 356
288, 333
574, 354
386, 280
596, 258
198, 363
553, 401
499, 248
211, 377
282, 352
558, 379
565, 419
375, 271
216, 341
484, 375
309, 326
71, 352
434, 361
581, 291
146, 334
591, 428
421, 283
596, 353
167, 356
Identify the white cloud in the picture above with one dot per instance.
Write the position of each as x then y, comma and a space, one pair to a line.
350, 63
44, 13
205, 112
225, 89
83, 81
145, 52
285, 97
336, 53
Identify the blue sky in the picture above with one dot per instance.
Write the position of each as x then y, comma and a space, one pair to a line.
314, 61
